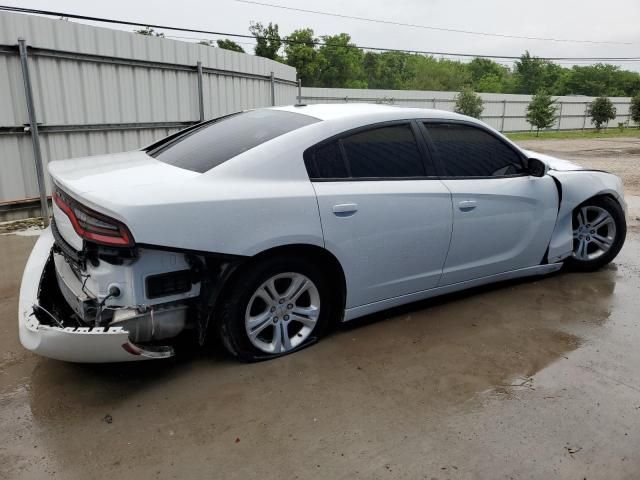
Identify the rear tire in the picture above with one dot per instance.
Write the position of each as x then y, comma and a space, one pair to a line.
275, 307
599, 231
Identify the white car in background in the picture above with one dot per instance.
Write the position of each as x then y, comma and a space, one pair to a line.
264, 227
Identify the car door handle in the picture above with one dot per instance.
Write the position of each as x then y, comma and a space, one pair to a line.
467, 205
345, 209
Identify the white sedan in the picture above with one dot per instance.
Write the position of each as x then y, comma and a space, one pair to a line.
264, 227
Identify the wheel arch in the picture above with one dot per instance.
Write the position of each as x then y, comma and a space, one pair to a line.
576, 188
609, 194
320, 256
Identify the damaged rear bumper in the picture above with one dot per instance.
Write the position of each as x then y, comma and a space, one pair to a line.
72, 344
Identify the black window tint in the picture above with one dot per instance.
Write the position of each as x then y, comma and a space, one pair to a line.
329, 162
384, 152
214, 143
471, 152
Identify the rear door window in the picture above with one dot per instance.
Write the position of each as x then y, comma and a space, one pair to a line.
213, 143
383, 152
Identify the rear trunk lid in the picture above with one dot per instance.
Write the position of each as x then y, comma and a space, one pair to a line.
114, 172
107, 183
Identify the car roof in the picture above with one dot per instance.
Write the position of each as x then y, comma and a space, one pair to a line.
333, 111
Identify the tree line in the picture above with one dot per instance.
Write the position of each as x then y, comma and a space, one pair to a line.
332, 61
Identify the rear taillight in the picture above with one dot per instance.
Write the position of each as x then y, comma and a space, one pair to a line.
92, 225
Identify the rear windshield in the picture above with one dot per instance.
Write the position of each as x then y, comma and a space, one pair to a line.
202, 148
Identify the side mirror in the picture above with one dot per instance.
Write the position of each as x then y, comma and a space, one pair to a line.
537, 168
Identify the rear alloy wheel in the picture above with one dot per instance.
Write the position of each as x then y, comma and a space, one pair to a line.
599, 230
282, 313
275, 307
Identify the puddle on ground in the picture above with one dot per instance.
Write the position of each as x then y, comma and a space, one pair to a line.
375, 382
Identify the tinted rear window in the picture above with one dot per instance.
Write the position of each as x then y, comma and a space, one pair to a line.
330, 162
379, 152
385, 152
214, 143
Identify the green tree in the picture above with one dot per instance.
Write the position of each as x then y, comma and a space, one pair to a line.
148, 31
628, 82
601, 110
390, 70
541, 112
593, 80
488, 76
342, 65
634, 109
227, 44
533, 74
469, 103
480, 67
339, 65
490, 83
301, 52
268, 41
442, 74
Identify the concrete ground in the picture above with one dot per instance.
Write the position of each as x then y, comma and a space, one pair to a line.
615, 155
534, 379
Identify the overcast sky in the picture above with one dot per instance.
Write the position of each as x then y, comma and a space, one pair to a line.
614, 21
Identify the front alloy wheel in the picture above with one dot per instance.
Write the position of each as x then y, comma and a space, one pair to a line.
599, 230
594, 234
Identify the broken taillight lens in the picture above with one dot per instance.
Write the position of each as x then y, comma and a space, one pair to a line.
92, 225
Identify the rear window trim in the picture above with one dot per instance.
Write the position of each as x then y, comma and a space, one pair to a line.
161, 145
156, 149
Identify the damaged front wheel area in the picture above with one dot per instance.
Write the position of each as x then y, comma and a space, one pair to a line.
599, 230
274, 307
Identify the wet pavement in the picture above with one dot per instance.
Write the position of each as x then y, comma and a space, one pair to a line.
533, 379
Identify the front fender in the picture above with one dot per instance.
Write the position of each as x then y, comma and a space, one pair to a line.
576, 187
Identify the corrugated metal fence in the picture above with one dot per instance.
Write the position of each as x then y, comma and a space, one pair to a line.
98, 90
503, 112
95, 90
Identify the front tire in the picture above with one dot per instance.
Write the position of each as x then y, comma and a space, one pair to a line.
599, 231
275, 307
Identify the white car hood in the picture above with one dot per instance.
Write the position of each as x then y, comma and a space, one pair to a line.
553, 162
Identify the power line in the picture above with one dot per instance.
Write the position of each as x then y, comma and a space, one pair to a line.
205, 39
427, 27
315, 42
501, 62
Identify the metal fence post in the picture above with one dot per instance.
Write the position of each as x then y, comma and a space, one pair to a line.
560, 116
200, 91
504, 113
299, 90
586, 111
434, 102
273, 90
33, 130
